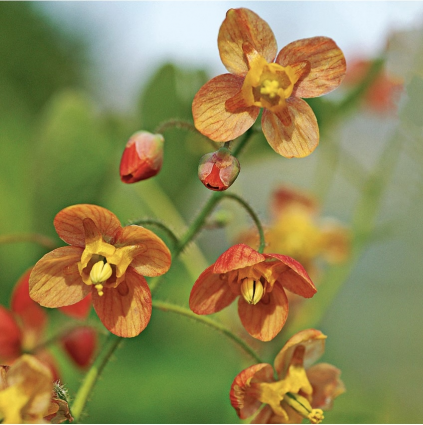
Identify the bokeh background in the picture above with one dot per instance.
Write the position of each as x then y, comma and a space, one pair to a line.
77, 79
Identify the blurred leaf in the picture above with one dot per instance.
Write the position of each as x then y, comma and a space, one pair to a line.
36, 57
71, 160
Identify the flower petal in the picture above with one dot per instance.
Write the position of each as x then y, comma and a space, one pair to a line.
155, 259
10, 336
80, 310
265, 319
326, 385
267, 416
126, 310
297, 140
245, 402
211, 117
210, 293
55, 280
69, 227
294, 278
327, 65
237, 257
240, 26
314, 343
33, 317
336, 241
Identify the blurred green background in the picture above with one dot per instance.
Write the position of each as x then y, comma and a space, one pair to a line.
59, 145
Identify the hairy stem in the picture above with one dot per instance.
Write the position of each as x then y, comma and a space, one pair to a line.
90, 379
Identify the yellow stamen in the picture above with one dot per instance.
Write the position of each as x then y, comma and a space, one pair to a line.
302, 406
100, 272
270, 87
252, 290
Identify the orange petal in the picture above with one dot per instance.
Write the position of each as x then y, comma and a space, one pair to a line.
265, 319
47, 359
241, 26
80, 344
126, 310
80, 310
294, 278
243, 400
55, 280
69, 227
327, 65
326, 383
237, 257
210, 293
10, 336
211, 117
297, 140
314, 343
33, 317
155, 259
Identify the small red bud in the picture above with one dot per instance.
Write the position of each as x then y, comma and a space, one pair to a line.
80, 344
218, 170
142, 157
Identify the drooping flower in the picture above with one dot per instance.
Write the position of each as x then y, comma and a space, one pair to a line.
259, 280
142, 157
23, 327
26, 390
301, 390
106, 260
229, 104
218, 170
297, 230
23, 330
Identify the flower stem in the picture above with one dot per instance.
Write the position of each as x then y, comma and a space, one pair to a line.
85, 390
164, 306
160, 225
253, 215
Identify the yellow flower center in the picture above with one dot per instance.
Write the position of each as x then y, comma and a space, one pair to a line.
302, 406
102, 264
252, 290
267, 85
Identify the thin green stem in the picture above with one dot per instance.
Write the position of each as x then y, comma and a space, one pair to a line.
85, 390
253, 215
160, 225
164, 306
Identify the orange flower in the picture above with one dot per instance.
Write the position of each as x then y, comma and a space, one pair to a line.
106, 260
26, 391
299, 393
259, 281
228, 105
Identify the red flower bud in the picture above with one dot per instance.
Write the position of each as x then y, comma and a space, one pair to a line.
80, 344
142, 157
218, 170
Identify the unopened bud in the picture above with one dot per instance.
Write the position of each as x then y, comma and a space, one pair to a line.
142, 157
218, 170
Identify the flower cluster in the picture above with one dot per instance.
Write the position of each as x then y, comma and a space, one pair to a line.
105, 264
